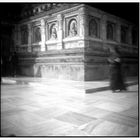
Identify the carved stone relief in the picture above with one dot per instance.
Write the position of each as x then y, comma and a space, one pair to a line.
36, 34
72, 28
94, 26
124, 34
24, 35
53, 32
110, 31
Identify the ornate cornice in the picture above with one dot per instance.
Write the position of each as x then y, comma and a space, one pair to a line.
37, 9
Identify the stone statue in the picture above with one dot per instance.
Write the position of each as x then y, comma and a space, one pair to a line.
25, 37
53, 33
73, 29
37, 35
93, 28
110, 31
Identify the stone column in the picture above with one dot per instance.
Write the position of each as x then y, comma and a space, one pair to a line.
29, 49
42, 35
60, 31
118, 32
83, 25
103, 28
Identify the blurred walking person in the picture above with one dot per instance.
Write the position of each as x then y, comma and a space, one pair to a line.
116, 76
14, 61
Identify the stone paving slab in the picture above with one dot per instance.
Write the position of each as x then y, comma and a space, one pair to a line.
86, 87
37, 112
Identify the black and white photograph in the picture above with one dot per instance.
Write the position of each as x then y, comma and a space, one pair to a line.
69, 69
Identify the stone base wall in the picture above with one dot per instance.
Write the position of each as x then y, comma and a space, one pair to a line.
96, 72
96, 67
26, 70
86, 63
130, 59
60, 64
76, 71
60, 71
130, 70
133, 70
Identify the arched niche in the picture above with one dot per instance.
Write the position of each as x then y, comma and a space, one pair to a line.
93, 28
53, 32
24, 36
36, 34
110, 31
72, 28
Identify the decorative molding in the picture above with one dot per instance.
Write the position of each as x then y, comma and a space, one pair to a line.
36, 23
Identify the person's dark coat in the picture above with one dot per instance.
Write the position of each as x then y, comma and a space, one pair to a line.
14, 61
116, 76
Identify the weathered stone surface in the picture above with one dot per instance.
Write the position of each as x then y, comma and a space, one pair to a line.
73, 43
62, 71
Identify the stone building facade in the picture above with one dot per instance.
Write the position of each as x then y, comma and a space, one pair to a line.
72, 41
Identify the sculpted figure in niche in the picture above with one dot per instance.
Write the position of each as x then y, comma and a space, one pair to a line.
73, 28
37, 34
93, 28
24, 36
110, 31
123, 34
53, 32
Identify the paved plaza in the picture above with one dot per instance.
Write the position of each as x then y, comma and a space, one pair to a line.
60, 108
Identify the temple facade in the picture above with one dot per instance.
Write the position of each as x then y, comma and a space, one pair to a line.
72, 41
